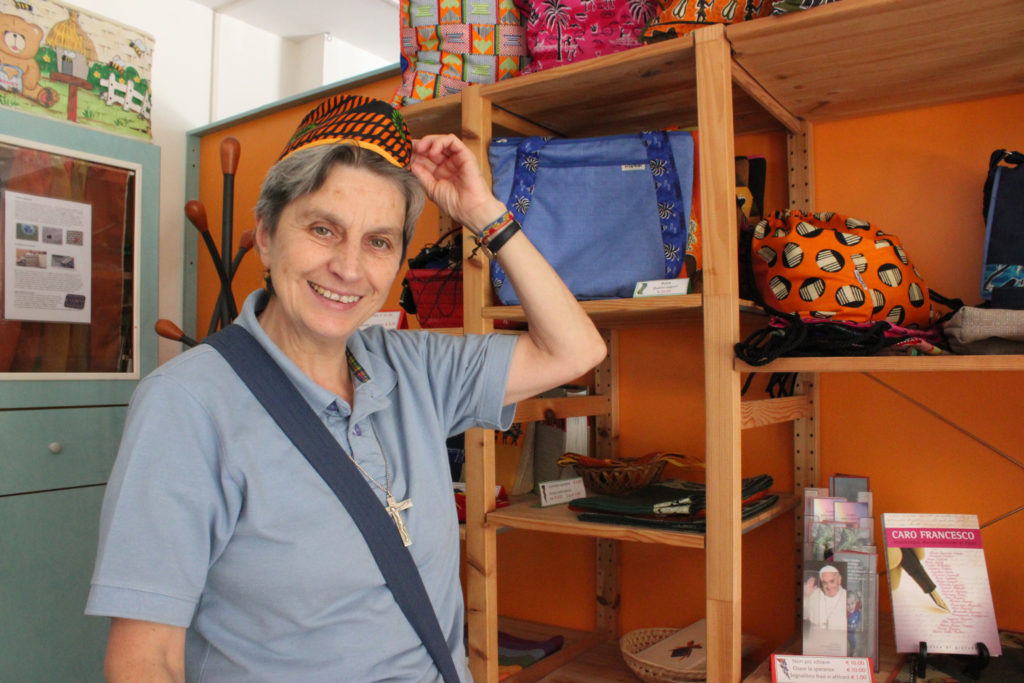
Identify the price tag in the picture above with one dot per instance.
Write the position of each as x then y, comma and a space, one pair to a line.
389, 320
819, 669
560, 491
679, 285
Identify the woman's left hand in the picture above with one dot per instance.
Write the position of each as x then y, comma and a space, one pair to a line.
452, 178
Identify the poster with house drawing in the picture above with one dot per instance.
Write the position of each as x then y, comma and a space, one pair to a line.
63, 63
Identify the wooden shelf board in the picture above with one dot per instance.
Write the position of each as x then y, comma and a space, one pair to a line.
644, 88
535, 409
619, 311
526, 513
850, 59
441, 115
944, 363
630, 312
581, 649
761, 412
602, 663
590, 657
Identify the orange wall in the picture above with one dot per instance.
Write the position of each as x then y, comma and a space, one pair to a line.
918, 174
931, 442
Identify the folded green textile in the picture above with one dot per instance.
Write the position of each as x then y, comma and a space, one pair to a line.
668, 497
676, 522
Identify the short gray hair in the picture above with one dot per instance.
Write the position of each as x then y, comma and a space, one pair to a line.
305, 171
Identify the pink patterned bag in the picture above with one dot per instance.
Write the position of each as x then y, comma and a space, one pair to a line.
563, 31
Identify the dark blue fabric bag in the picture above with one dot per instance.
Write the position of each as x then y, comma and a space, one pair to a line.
1003, 208
605, 212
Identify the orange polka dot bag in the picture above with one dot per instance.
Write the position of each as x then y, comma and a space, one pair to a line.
835, 286
833, 267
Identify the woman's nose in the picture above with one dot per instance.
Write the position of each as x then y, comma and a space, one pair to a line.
346, 261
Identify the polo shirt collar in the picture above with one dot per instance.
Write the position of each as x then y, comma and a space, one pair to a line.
371, 388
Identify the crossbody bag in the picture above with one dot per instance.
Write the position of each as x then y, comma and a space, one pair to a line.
269, 384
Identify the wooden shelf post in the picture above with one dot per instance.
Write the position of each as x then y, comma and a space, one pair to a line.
481, 543
721, 331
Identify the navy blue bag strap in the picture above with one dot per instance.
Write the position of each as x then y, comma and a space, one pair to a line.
296, 419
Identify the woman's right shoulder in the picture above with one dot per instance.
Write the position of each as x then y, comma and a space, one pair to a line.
200, 373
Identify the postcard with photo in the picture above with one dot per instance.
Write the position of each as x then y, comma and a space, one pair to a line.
825, 608
859, 535
861, 603
846, 511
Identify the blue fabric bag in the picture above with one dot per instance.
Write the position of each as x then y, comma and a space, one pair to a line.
1002, 280
605, 212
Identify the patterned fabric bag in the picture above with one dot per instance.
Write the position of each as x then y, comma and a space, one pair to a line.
563, 31
833, 267
1003, 209
683, 16
449, 44
835, 286
605, 212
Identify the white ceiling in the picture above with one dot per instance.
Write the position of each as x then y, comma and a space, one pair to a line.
371, 25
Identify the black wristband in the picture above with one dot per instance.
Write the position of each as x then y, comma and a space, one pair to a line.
498, 241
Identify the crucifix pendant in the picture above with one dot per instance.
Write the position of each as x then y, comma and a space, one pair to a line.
394, 509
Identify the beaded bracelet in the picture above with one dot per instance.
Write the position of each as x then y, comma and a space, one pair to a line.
495, 234
493, 228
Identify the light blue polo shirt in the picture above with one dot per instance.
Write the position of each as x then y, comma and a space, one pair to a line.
213, 521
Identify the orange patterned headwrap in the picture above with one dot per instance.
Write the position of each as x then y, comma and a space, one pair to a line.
355, 120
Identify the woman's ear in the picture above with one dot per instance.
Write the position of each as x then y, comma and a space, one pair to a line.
261, 240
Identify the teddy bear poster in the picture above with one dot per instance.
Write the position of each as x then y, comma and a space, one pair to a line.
63, 63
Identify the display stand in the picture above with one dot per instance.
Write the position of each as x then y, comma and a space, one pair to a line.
975, 663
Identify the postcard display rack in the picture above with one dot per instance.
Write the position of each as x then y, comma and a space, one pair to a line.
777, 73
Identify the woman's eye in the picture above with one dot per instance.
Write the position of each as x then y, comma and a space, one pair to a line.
380, 243
321, 231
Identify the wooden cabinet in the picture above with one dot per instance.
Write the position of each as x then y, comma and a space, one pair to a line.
64, 388
848, 59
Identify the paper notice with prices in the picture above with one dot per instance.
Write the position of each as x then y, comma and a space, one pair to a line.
819, 669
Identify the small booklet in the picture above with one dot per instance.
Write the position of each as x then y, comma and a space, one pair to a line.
939, 583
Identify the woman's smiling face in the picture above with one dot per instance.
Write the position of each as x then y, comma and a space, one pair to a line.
333, 258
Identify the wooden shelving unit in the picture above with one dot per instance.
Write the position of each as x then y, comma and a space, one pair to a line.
526, 513
843, 60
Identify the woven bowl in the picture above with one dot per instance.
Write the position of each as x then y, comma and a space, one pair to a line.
639, 640
619, 479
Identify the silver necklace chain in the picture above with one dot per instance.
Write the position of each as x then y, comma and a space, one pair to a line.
393, 507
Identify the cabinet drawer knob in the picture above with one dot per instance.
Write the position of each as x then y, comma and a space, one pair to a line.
56, 447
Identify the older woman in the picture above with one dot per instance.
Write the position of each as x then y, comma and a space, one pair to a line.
223, 556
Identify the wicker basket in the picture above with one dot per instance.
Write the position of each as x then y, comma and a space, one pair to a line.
639, 640
619, 479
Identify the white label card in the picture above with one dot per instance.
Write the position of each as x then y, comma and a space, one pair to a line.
560, 491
